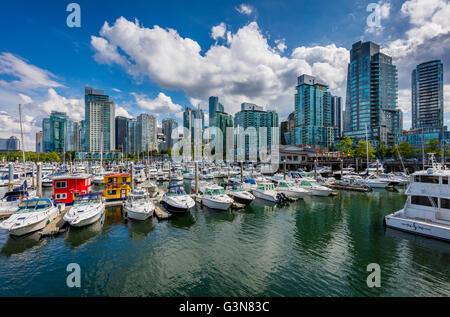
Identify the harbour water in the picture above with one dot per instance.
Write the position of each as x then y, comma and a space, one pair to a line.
313, 247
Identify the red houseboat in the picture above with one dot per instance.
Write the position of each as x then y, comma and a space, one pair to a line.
67, 187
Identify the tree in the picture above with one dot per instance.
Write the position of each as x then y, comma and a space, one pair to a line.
346, 146
361, 150
405, 149
385, 151
432, 146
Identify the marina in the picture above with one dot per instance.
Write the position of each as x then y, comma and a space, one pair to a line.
299, 234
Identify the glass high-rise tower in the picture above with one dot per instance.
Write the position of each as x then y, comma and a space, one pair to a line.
99, 120
427, 96
372, 96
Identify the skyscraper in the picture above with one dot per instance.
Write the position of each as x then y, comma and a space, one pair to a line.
372, 96
223, 121
54, 131
214, 107
146, 133
73, 136
39, 142
131, 142
189, 117
337, 116
168, 125
121, 133
313, 113
99, 120
254, 116
427, 96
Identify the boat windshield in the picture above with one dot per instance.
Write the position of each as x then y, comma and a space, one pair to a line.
215, 191
33, 205
176, 191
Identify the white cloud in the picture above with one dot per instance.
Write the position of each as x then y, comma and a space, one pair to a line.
162, 104
218, 31
25, 99
245, 9
121, 111
72, 106
116, 90
27, 76
245, 68
281, 45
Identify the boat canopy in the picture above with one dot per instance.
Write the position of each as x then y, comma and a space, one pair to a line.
34, 204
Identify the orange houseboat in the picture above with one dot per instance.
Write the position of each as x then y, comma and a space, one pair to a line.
67, 188
116, 186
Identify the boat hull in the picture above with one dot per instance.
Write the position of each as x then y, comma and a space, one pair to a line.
34, 227
215, 204
263, 196
136, 215
432, 230
88, 221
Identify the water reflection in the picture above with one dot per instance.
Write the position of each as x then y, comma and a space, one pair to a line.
76, 237
17, 245
139, 230
113, 216
183, 221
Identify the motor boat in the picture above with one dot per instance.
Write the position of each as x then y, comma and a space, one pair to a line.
176, 200
32, 215
176, 177
11, 199
265, 191
214, 197
189, 175
152, 172
86, 210
139, 205
427, 208
314, 188
139, 175
374, 181
240, 195
291, 190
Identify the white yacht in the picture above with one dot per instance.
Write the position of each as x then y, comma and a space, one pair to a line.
176, 200
291, 190
176, 177
427, 208
265, 191
314, 188
214, 197
240, 195
152, 172
139, 205
32, 215
87, 209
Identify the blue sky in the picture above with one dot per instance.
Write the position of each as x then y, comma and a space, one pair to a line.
180, 52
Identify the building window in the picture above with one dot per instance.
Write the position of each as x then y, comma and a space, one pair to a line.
427, 179
60, 184
445, 203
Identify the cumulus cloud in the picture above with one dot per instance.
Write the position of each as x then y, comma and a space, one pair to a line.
162, 104
74, 107
218, 31
246, 67
121, 111
27, 76
245, 9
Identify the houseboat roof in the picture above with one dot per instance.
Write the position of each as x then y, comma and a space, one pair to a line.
117, 175
73, 176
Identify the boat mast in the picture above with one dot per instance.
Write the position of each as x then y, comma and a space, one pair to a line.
101, 153
367, 150
21, 132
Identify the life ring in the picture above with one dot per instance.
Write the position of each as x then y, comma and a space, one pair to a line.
23, 198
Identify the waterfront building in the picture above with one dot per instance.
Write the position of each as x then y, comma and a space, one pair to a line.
99, 120
214, 107
12, 144
121, 133
73, 136
223, 121
313, 113
168, 125
39, 142
372, 96
427, 96
189, 117
131, 139
253, 116
337, 115
146, 133
287, 129
417, 137
54, 130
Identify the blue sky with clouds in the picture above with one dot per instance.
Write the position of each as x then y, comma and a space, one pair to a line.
161, 56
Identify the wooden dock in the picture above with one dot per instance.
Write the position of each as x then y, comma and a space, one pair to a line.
160, 213
55, 227
5, 214
115, 203
351, 188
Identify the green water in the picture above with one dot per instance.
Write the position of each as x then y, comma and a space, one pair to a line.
316, 247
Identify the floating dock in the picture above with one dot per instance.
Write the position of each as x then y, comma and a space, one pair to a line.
160, 213
351, 188
55, 227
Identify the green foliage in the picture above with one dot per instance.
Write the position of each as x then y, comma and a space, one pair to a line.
346, 145
432, 146
405, 149
361, 150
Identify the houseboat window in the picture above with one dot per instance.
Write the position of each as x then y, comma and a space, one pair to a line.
124, 179
60, 184
61, 196
445, 180
429, 179
445, 203
111, 192
423, 201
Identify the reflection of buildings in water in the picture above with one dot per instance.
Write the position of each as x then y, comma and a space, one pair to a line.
78, 236
113, 216
17, 245
138, 230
